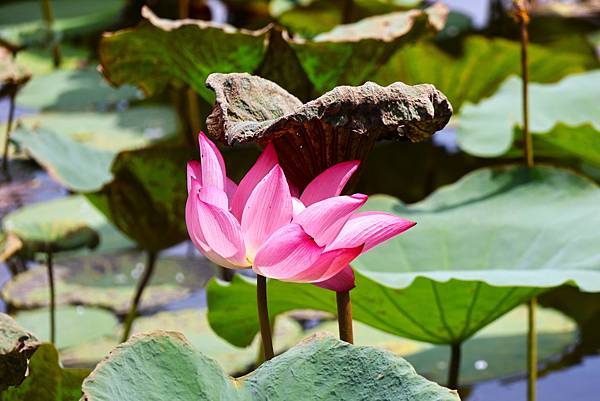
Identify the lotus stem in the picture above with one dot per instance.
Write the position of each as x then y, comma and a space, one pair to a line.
454, 370
344, 312
263, 316
144, 280
11, 116
522, 17
49, 18
52, 297
531, 351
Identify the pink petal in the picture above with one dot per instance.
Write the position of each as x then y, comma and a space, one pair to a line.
343, 281
370, 229
328, 265
196, 233
329, 183
265, 163
268, 208
286, 253
297, 206
230, 188
323, 220
212, 165
213, 196
193, 174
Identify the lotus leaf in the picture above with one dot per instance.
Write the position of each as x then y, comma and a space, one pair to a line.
16, 347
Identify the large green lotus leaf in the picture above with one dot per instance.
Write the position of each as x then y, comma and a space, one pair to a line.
77, 149
22, 23
150, 366
146, 198
487, 129
109, 281
63, 224
74, 324
496, 351
145, 56
48, 380
352, 54
16, 347
39, 60
73, 90
193, 324
481, 247
461, 77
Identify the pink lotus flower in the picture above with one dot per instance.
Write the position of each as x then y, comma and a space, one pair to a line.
259, 223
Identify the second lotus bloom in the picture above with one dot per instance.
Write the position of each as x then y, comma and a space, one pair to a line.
311, 238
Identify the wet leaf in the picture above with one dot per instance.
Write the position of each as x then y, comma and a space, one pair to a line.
193, 324
47, 380
152, 364
16, 347
109, 281
564, 116
481, 247
22, 24
64, 224
146, 198
74, 324
495, 352
78, 149
341, 125
203, 47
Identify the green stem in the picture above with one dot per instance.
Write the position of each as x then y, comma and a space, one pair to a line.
49, 18
11, 115
52, 297
144, 280
454, 369
344, 314
531, 351
263, 316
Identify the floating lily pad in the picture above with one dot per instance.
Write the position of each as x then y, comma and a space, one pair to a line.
47, 380
146, 200
63, 224
75, 324
193, 324
78, 148
481, 247
343, 124
109, 281
73, 90
22, 23
497, 351
150, 366
144, 56
16, 347
564, 116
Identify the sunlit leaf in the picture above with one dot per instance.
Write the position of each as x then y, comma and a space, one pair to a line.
145, 56
48, 380
480, 247
564, 116
109, 281
153, 364
16, 347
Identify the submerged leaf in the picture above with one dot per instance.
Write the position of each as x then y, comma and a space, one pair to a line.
16, 347
150, 366
482, 246
341, 125
487, 129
